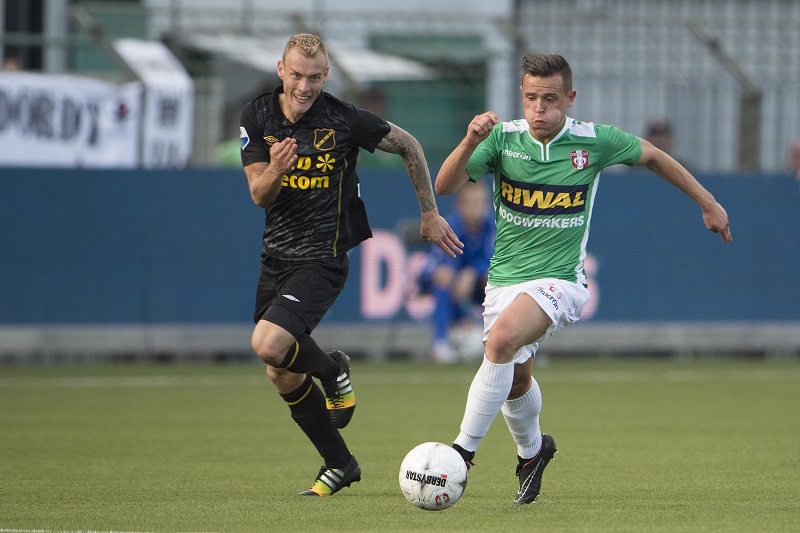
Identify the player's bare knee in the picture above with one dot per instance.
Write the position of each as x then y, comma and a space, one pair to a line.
499, 349
268, 352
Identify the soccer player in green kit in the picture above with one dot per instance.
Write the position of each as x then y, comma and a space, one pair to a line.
546, 169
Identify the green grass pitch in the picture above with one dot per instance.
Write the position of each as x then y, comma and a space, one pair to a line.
644, 445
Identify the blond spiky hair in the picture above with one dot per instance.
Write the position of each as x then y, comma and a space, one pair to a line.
307, 44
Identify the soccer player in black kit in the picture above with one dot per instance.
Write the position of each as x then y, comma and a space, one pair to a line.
299, 150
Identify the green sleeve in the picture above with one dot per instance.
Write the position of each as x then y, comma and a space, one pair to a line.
484, 159
618, 147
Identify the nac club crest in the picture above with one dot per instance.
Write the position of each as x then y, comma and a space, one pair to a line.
324, 139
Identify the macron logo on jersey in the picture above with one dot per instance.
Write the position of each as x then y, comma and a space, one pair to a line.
516, 155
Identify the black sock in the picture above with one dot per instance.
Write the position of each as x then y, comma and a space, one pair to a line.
307, 405
305, 357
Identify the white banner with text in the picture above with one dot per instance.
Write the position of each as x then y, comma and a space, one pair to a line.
169, 102
51, 120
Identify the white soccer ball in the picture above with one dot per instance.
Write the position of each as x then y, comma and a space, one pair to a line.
433, 476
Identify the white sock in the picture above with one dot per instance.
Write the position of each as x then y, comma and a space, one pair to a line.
489, 389
522, 417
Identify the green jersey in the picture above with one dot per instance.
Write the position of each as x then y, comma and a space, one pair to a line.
543, 195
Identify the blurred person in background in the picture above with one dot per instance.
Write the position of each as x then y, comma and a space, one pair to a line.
12, 63
457, 283
660, 134
545, 170
793, 160
299, 147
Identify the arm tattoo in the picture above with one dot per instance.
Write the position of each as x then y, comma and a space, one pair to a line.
398, 141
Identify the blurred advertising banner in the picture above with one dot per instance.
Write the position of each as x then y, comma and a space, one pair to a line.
51, 120
168, 102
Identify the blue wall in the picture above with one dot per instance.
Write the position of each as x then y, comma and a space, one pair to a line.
656, 260
119, 247
126, 246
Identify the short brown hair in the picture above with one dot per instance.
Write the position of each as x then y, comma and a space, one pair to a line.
307, 44
545, 65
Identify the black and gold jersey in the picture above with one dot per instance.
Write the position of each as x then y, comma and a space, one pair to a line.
318, 212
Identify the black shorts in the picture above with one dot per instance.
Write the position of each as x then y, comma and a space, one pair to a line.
295, 295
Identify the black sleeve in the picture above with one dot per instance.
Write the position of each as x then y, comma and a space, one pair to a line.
254, 149
367, 127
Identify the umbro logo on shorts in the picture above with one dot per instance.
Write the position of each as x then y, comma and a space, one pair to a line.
290, 297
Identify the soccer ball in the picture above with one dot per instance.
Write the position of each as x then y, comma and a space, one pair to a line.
433, 476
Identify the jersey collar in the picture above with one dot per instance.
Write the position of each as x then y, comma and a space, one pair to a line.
564, 129
567, 125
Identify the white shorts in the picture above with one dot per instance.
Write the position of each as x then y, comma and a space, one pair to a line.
562, 300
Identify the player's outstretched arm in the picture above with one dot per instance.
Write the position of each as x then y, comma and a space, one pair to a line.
714, 215
433, 227
453, 173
